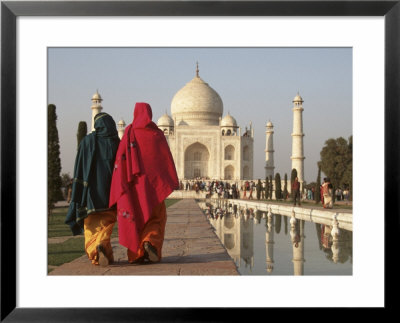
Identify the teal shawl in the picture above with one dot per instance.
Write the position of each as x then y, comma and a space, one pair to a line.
93, 171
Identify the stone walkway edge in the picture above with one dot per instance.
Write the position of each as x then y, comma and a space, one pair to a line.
191, 247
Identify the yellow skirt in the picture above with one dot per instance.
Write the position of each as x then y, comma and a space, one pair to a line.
153, 232
98, 229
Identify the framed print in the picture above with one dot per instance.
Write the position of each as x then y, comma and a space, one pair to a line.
29, 28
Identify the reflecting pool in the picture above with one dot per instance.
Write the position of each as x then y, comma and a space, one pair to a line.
263, 243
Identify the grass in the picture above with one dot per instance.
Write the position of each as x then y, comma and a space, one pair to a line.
56, 225
60, 253
169, 202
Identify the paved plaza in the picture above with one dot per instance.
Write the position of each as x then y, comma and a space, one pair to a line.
190, 248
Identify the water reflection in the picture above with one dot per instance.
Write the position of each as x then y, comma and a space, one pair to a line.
241, 232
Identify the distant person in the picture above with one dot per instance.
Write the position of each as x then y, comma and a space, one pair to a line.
296, 191
251, 188
69, 191
321, 194
263, 191
144, 176
259, 187
89, 210
327, 193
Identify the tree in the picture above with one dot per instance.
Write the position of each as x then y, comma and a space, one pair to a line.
270, 187
278, 191
266, 188
337, 161
293, 175
285, 190
65, 182
317, 191
82, 131
259, 187
54, 183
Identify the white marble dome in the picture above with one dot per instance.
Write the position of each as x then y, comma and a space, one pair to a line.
121, 122
228, 121
298, 98
269, 124
197, 104
165, 121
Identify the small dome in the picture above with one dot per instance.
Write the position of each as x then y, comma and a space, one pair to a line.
269, 124
121, 122
97, 96
298, 98
228, 121
165, 120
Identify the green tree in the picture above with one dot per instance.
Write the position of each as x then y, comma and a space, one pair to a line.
317, 191
82, 132
278, 186
337, 161
293, 175
347, 180
270, 187
259, 187
65, 181
285, 190
54, 182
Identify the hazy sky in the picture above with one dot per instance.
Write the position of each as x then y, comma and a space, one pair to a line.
255, 84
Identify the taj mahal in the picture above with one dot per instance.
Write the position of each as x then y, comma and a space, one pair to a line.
207, 144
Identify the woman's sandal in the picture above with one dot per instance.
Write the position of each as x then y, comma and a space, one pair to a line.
151, 252
101, 255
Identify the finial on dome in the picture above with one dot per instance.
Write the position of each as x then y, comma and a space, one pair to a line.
197, 69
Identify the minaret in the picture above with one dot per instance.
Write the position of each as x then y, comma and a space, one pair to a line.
121, 128
297, 236
297, 138
269, 150
96, 106
269, 243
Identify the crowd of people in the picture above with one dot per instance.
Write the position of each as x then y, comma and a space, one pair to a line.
252, 190
225, 189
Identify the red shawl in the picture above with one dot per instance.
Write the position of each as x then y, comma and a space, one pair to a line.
144, 175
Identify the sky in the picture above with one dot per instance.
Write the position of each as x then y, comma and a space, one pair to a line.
256, 85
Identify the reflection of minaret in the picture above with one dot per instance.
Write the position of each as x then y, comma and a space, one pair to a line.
269, 150
246, 243
269, 244
96, 106
297, 234
335, 241
297, 138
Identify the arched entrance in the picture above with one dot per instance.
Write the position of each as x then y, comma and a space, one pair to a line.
197, 158
229, 172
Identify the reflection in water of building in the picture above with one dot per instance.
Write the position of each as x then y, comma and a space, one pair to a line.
234, 227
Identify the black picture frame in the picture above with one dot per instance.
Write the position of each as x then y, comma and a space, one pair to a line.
10, 10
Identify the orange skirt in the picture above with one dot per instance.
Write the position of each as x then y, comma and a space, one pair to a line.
98, 229
153, 232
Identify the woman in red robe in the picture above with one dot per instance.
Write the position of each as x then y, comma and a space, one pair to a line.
144, 176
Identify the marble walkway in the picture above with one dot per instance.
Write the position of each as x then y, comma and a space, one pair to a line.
190, 248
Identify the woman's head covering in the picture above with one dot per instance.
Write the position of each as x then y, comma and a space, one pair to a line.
144, 175
104, 125
94, 164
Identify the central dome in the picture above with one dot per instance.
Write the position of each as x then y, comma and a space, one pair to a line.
197, 104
